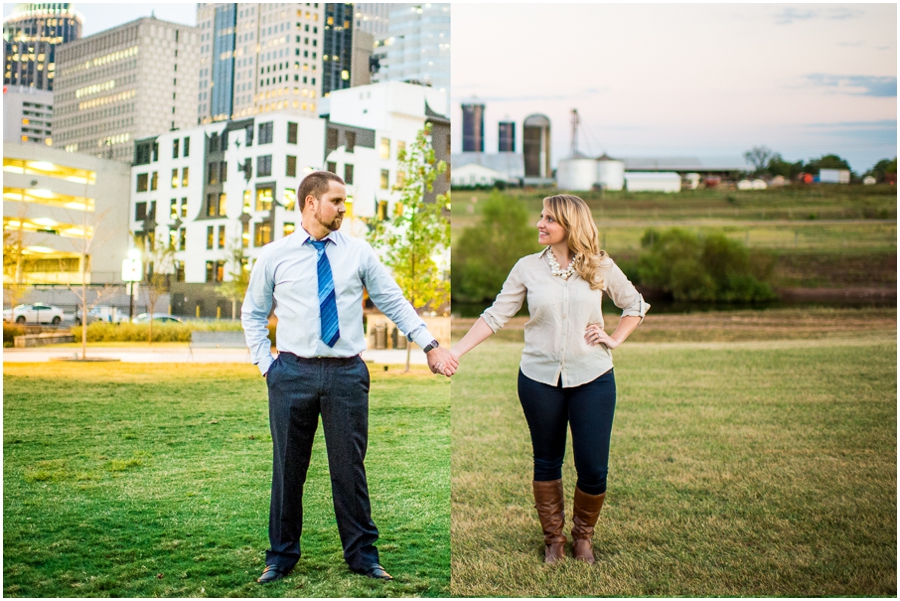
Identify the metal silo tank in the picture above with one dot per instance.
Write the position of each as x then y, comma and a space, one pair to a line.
610, 173
536, 146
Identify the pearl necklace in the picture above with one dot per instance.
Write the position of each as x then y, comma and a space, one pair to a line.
555, 269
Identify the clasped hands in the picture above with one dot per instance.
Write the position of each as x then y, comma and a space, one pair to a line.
442, 361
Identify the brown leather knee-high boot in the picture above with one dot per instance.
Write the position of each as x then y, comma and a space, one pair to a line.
585, 512
548, 500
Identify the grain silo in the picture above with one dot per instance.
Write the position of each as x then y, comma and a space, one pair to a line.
536, 146
610, 173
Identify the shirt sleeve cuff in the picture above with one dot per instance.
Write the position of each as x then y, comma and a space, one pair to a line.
492, 322
264, 364
638, 308
421, 336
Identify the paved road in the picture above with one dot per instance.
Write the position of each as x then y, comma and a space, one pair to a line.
181, 355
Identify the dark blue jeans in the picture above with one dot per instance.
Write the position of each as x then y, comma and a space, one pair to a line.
299, 391
588, 410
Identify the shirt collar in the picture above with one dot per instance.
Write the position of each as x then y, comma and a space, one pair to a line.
304, 236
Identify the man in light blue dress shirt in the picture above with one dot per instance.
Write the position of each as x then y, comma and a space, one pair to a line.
316, 278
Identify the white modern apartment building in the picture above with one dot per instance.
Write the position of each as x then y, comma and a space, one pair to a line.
368, 128
374, 17
27, 115
417, 48
123, 84
62, 207
233, 184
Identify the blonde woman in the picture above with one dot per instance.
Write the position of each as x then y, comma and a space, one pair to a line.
566, 374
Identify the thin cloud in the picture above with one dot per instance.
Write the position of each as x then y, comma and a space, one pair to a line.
856, 85
792, 14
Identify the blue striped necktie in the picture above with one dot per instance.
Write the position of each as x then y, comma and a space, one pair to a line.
328, 315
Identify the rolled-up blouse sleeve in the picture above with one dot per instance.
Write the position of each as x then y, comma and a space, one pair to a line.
622, 292
508, 302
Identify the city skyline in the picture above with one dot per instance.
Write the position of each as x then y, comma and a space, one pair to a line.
685, 80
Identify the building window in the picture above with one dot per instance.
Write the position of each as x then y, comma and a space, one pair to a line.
331, 166
401, 178
245, 234
385, 179
262, 233
382, 210
291, 166
264, 166
179, 271
174, 178
288, 229
215, 271
248, 136
143, 180
187, 147
173, 208
154, 180
331, 139
384, 150
265, 132
140, 211
247, 197
210, 237
221, 236
351, 141
182, 238
401, 149
175, 147
184, 208
290, 199
184, 177
348, 174
292, 133
264, 198
223, 171
212, 170
222, 204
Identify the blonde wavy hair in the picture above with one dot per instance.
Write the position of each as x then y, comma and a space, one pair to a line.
574, 214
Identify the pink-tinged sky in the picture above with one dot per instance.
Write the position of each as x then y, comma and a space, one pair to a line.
685, 80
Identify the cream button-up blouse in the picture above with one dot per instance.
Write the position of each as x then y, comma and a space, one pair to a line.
560, 312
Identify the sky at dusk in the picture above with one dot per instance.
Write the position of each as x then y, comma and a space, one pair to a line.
705, 80
685, 80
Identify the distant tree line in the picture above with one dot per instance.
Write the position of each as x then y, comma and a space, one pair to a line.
767, 162
674, 262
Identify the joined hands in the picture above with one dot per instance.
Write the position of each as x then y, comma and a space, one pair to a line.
442, 361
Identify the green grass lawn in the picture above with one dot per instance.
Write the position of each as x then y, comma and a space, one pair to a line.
761, 468
153, 480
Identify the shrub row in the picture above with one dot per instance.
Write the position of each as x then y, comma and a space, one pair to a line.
162, 332
9, 333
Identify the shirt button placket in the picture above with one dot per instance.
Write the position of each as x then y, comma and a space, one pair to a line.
565, 328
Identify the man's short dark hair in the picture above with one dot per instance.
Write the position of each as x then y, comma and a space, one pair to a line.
316, 184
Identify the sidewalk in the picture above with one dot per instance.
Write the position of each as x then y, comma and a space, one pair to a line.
179, 355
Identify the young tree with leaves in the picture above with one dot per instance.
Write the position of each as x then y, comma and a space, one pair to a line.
411, 241
235, 288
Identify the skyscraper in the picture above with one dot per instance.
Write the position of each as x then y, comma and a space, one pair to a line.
417, 49
337, 47
473, 127
124, 83
30, 37
374, 17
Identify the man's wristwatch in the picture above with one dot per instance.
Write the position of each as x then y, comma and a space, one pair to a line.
431, 346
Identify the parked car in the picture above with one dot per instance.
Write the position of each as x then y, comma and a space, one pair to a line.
107, 314
159, 317
92, 317
34, 313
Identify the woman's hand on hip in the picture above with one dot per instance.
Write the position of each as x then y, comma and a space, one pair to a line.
595, 335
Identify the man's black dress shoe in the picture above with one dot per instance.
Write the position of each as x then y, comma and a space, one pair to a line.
271, 574
376, 571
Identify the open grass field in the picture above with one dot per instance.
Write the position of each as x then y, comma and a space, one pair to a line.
756, 467
821, 236
136, 480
